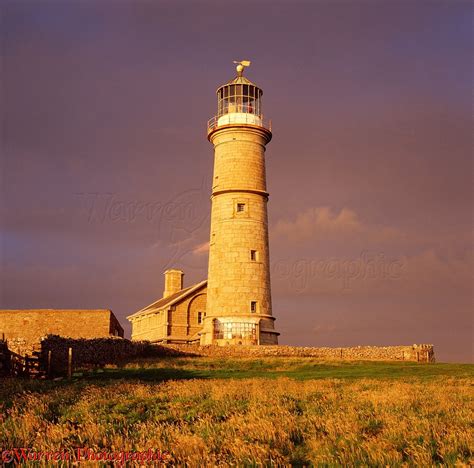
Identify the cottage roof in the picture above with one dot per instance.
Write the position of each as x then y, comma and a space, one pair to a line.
168, 301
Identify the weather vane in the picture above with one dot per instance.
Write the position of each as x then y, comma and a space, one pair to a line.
241, 66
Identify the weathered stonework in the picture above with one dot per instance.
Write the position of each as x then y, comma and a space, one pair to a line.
415, 353
173, 282
175, 318
23, 329
236, 308
96, 352
239, 306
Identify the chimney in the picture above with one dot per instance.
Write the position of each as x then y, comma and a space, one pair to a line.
173, 282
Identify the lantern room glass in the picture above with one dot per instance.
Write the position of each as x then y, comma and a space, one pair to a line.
239, 98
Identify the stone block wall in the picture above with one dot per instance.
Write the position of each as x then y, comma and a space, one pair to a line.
414, 353
152, 326
239, 265
183, 318
173, 282
22, 346
178, 323
22, 329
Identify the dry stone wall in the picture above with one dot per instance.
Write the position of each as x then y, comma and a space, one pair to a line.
22, 346
416, 353
96, 352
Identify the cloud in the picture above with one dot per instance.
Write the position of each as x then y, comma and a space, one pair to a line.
201, 248
324, 329
324, 252
418, 277
429, 273
314, 219
324, 223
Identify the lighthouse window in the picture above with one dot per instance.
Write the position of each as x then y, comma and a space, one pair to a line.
230, 330
200, 316
240, 207
253, 255
253, 307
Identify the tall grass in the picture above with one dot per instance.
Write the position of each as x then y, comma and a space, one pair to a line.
278, 421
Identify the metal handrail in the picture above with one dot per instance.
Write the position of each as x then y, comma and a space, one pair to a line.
212, 123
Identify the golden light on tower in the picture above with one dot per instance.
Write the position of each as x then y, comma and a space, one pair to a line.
239, 307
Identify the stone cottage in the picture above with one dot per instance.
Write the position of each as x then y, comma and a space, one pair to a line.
175, 318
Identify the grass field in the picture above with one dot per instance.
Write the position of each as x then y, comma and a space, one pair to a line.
275, 411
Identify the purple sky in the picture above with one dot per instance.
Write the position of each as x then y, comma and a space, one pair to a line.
106, 167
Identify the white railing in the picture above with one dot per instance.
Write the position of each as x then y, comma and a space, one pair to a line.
238, 118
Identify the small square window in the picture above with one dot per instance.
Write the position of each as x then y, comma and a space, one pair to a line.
253, 307
253, 255
240, 207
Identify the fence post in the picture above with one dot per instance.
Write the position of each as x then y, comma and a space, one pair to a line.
49, 363
69, 363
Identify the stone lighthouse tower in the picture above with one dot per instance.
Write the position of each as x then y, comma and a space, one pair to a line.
239, 306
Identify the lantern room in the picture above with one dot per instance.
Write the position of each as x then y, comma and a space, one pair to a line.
239, 96
238, 102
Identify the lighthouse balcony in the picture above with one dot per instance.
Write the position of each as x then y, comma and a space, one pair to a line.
237, 118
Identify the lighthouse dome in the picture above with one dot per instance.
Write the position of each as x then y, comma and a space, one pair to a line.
239, 101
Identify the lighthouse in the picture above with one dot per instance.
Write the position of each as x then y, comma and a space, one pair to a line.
239, 304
